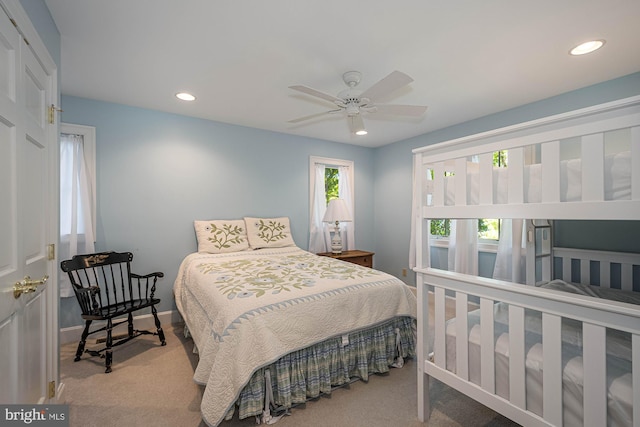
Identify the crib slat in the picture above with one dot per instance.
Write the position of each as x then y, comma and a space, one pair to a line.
551, 172
515, 172
566, 269
635, 357
461, 182
605, 274
635, 164
487, 355
546, 269
627, 276
517, 394
438, 184
552, 368
422, 347
585, 272
462, 334
595, 374
486, 179
423, 182
593, 167
439, 341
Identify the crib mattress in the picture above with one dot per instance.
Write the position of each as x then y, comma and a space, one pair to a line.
619, 394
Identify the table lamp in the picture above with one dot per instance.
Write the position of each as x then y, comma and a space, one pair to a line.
337, 211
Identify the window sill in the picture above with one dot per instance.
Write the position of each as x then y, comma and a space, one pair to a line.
482, 246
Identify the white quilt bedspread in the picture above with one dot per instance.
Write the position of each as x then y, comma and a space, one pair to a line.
247, 309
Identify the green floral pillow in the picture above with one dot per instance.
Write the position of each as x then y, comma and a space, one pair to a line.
269, 232
219, 236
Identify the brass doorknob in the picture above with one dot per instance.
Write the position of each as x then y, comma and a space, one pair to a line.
27, 285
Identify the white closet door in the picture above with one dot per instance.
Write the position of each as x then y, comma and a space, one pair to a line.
26, 228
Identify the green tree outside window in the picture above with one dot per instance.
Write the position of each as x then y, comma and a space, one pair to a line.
331, 183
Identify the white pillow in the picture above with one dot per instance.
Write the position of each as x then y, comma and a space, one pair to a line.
220, 236
269, 232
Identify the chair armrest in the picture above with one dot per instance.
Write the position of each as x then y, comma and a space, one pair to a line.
145, 279
156, 274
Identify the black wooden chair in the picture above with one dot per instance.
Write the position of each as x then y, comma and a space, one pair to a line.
106, 289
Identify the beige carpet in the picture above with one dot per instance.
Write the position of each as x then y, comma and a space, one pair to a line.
152, 386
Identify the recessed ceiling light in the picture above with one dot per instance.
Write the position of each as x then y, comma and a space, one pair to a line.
361, 132
587, 47
185, 96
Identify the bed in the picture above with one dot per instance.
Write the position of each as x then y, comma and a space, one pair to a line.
275, 325
557, 350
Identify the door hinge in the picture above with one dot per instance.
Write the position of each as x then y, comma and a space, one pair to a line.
52, 113
52, 389
51, 251
15, 24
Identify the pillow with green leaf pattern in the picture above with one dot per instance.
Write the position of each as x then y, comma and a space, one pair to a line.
220, 236
269, 232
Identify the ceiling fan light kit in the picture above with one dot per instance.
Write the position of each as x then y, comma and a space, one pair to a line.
352, 102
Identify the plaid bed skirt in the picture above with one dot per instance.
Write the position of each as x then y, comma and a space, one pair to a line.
308, 373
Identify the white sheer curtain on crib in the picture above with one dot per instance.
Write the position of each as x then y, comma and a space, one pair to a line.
463, 246
511, 256
76, 228
319, 232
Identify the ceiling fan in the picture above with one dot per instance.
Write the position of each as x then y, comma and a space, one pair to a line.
353, 102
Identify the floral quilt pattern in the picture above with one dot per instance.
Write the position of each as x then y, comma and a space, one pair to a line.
253, 278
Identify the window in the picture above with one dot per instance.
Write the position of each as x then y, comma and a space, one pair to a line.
84, 139
331, 183
77, 194
329, 179
488, 229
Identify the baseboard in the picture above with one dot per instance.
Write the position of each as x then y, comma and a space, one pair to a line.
73, 333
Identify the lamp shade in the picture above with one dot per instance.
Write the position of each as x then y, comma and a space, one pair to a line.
337, 211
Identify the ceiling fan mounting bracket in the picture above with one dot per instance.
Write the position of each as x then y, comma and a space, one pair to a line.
352, 78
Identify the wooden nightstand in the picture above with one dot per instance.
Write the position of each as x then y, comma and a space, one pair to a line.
356, 257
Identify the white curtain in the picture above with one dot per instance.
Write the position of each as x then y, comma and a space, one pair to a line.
344, 192
319, 237
463, 246
320, 232
76, 224
511, 256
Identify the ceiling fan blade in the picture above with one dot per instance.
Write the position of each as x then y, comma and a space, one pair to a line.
355, 123
316, 93
401, 110
313, 116
387, 85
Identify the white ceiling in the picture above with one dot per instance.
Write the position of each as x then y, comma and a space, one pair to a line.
468, 58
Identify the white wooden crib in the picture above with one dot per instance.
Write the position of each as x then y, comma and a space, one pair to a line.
579, 165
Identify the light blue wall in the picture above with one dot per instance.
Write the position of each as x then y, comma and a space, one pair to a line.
158, 172
41, 19
393, 178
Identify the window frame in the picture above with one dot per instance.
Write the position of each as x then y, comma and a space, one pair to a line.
326, 161
88, 134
